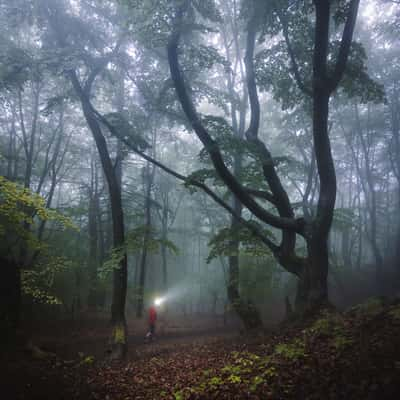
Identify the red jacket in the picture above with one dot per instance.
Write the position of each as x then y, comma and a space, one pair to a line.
152, 315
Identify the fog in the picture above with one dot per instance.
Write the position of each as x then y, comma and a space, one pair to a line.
218, 155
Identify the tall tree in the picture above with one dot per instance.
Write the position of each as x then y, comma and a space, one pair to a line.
61, 23
312, 271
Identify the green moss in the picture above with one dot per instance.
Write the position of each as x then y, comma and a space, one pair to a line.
119, 334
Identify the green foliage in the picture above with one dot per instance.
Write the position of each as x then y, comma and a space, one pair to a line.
235, 369
178, 395
30, 285
342, 342
38, 283
246, 368
126, 131
229, 144
356, 82
151, 20
19, 207
213, 95
208, 10
274, 69
85, 359
331, 325
328, 324
273, 73
135, 241
343, 218
257, 380
215, 381
113, 262
234, 379
292, 351
224, 242
15, 66
203, 57
201, 175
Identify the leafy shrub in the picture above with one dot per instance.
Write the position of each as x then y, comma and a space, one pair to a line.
292, 351
327, 325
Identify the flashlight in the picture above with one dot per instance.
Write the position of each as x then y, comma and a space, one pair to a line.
158, 301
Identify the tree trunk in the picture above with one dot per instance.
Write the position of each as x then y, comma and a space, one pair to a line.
164, 259
246, 311
142, 272
10, 301
120, 274
312, 287
93, 239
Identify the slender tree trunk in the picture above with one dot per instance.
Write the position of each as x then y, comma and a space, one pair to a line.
164, 250
246, 311
93, 237
120, 274
11, 156
148, 180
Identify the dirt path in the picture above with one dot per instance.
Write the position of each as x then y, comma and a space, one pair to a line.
70, 341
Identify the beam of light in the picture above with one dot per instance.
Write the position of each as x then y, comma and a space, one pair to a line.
158, 301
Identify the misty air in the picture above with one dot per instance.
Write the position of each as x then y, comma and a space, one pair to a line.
200, 199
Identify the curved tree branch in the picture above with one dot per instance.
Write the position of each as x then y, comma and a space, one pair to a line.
211, 146
271, 245
280, 196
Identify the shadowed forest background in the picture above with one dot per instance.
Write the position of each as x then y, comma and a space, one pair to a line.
239, 159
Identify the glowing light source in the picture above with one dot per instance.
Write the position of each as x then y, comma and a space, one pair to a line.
158, 301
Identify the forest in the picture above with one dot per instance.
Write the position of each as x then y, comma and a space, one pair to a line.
199, 199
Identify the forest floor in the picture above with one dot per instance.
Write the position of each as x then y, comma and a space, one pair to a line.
353, 355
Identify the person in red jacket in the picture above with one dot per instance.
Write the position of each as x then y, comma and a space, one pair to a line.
152, 323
